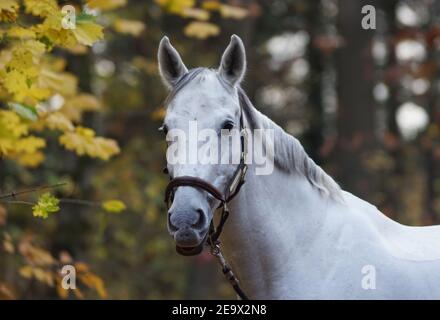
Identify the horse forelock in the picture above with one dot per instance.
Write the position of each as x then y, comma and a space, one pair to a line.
197, 74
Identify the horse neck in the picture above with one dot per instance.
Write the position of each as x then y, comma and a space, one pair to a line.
273, 219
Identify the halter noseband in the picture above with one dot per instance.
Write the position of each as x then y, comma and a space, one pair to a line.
232, 189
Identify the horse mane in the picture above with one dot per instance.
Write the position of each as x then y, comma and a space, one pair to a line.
290, 155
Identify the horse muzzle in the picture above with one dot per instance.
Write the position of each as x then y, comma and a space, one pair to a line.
189, 226
188, 242
191, 251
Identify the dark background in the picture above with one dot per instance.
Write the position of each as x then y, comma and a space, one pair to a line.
364, 104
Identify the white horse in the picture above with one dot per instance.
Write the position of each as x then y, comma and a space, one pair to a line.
293, 234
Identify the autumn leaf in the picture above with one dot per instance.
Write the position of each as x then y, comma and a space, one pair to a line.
34, 254
21, 33
232, 12
131, 27
46, 205
8, 246
201, 30
84, 142
11, 125
58, 121
196, 13
63, 83
6, 292
8, 10
113, 206
29, 144
30, 160
176, 6
106, 4
41, 8
94, 282
87, 32
211, 4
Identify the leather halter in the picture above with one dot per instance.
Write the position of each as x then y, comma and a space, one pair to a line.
232, 189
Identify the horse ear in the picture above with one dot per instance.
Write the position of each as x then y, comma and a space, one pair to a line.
171, 66
233, 63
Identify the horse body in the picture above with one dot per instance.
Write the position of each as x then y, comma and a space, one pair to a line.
291, 234
285, 241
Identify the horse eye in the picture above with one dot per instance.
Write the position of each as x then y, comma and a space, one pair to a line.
164, 129
228, 125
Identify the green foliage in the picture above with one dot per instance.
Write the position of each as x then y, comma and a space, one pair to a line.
46, 205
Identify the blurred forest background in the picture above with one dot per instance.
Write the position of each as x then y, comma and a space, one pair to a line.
81, 107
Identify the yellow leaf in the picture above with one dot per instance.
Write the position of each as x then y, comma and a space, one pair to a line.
36, 48
175, 6
7, 242
114, 206
93, 281
41, 8
195, 13
211, 5
84, 142
74, 107
106, 4
131, 27
11, 125
26, 272
233, 12
40, 274
8, 10
21, 33
30, 160
78, 293
62, 293
87, 32
35, 255
52, 29
201, 30
60, 82
58, 121
21, 73
6, 292
78, 49
85, 102
29, 144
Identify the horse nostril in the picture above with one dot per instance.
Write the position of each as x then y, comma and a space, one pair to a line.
172, 227
200, 223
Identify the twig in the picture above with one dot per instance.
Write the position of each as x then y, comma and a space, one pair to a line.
80, 202
18, 202
36, 189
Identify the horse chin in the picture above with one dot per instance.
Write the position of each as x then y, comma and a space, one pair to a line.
192, 251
